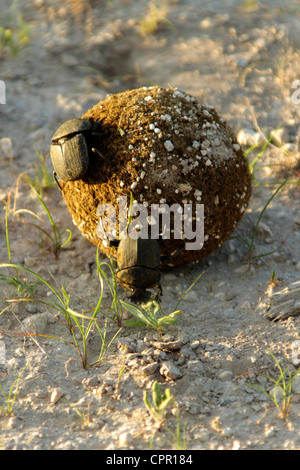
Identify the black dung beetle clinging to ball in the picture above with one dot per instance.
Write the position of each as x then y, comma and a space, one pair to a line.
69, 149
69, 152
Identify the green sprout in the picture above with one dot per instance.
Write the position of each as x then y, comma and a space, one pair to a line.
148, 315
11, 397
160, 403
283, 385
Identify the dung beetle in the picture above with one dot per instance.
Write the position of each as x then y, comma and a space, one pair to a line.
69, 149
138, 263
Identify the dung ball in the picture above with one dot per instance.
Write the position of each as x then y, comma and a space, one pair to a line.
163, 149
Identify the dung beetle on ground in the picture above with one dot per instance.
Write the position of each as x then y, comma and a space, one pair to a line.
138, 266
138, 263
69, 149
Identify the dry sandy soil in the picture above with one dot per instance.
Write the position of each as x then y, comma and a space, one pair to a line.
244, 57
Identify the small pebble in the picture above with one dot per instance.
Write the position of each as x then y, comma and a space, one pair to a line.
225, 375
170, 371
169, 146
125, 439
56, 395
93, 425
37, 323
150, 368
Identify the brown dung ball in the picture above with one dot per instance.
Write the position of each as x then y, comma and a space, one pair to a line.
164, 147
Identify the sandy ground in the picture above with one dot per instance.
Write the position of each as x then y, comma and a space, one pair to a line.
244, 57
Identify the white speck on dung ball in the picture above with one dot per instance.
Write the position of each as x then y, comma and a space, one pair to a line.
169, 146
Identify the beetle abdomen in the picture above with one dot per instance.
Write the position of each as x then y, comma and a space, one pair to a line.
138, 277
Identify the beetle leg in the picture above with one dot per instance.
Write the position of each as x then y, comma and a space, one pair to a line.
94, 150
56, 180
159, 292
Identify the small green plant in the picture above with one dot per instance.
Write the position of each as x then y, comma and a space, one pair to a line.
250, 4
161, 402
147, 315
188, 289
155, 18
43, 178
151, 314
84, 324
11, 397
270, 140
253, 163
75, 320
273, 277
122, 370
85, 419
15, 34
56, 237
115, 312
105, 345
283, 385
250, 245
179, 438
23, 286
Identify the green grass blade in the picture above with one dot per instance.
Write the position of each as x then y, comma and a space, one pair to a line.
261, 215
6, 228
191, 286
